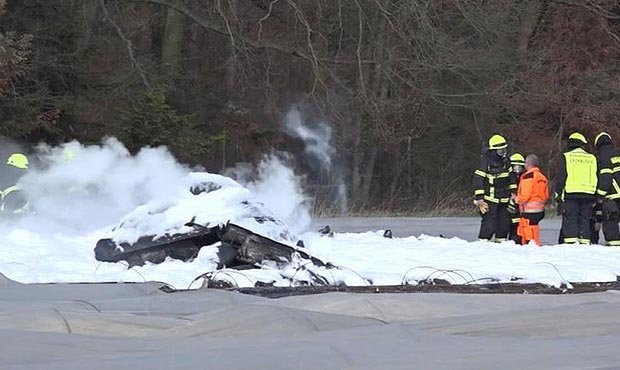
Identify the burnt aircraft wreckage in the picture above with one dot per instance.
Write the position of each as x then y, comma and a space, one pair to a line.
240, 248
221, 213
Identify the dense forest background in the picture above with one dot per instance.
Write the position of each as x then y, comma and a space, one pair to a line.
407, 90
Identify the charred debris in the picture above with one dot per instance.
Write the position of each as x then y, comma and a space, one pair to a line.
239, 248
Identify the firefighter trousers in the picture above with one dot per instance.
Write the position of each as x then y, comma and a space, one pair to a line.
611, 217
576, 220
596, 222
514, 232
495, 222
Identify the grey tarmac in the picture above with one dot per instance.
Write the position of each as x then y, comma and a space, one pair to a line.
139, 326
462, 227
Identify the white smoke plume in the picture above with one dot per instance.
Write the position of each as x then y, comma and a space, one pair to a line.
84, 188
317, 139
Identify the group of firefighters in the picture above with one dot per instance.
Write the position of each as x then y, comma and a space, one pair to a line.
510, 192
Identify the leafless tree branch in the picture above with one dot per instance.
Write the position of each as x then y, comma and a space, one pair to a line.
134, 63
264, 18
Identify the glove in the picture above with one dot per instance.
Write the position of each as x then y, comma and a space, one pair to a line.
483, 207
512, 207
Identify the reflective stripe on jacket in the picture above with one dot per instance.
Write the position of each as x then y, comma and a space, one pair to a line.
492, 180
533, 191
608, 172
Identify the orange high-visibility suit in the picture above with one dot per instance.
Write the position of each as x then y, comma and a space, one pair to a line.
532, 194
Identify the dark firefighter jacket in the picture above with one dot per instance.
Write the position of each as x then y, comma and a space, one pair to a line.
608, 171
492, 179
515, 214
11, 198
9, 176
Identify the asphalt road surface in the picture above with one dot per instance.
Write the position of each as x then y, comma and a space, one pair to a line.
462, 227
138, 326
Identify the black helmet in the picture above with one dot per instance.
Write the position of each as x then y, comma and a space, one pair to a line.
602, 139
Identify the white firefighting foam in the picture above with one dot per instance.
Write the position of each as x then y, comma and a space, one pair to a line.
80, 193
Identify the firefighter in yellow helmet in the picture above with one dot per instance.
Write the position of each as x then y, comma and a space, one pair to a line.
68, 154
492, 190
517, 167
11, 197
575, 190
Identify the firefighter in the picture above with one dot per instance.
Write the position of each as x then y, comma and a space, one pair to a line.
517, 165
492, 190
608, 187
575, 190
532, 194
10, 194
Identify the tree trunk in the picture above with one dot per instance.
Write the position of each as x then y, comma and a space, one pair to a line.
401, 163
531, 12
356, 177
172, 42
231, 67
378, 93
90, 14
368, 177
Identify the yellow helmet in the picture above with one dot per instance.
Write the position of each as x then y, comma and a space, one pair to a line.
578, 137
497, 142
517, 159
68, 154
18, 160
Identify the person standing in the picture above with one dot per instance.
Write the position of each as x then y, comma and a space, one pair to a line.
575, 189
11, 198
532, 195
492, 191
608, 187
517, 165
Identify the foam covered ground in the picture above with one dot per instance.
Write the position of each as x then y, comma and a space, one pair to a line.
106, 192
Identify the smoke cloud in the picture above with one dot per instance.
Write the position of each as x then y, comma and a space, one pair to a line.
74, 189
82, 188
317, 139
279, 189
318, 148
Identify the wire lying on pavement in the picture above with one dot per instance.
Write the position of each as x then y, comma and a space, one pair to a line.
211, 275
442, 272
